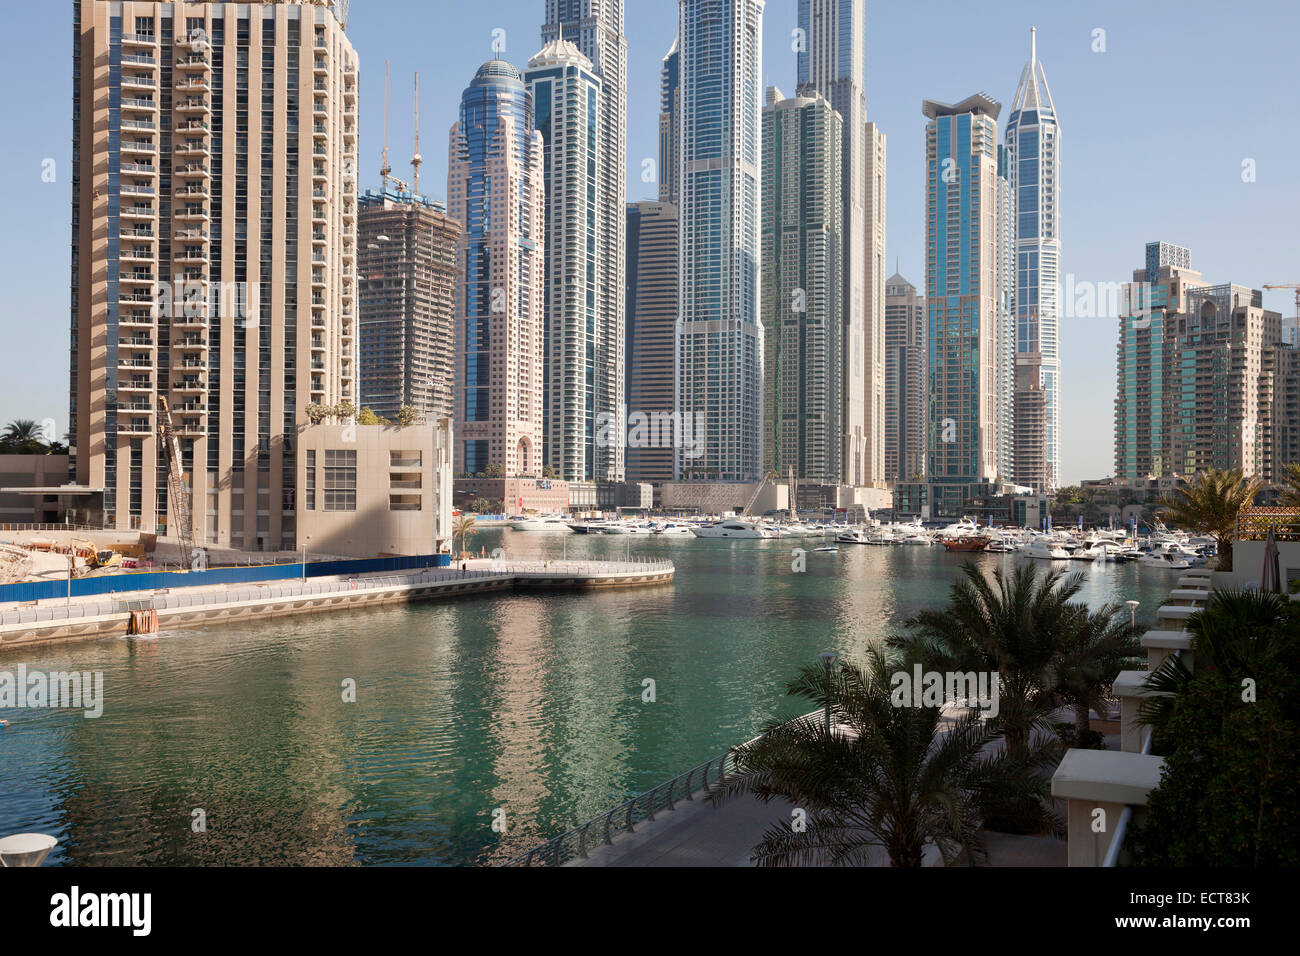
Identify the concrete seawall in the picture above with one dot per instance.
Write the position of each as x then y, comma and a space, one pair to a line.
54, 621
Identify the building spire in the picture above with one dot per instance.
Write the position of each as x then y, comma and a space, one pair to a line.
1033, 47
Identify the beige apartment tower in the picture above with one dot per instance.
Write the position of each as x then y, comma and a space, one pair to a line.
213, 254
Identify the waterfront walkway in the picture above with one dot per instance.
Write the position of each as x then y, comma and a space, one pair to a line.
60, 619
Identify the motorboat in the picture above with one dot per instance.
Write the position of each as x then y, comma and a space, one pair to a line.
1044, 551
732, 528
964, 542
853, 536
672, 527
1164, 559
540, 523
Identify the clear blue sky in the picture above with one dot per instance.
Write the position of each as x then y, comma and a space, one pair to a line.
1155, 130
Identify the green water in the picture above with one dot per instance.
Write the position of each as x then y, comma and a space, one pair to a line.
528, 704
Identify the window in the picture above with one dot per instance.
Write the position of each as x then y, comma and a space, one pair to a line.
310, 488
340, 480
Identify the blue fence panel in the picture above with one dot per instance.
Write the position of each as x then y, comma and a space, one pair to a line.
151, 581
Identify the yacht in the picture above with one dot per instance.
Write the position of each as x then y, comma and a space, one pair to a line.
853, 536
1164, 559
732, 528
1044, 551
672, 527
540, 523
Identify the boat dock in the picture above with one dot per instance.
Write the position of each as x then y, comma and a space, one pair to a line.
82, 618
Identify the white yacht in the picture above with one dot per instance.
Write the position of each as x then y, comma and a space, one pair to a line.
1164, 559
673, 527
540, 523
854, 536
1044, 550
732, 528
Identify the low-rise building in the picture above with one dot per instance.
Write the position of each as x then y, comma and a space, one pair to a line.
374, 490
513, 495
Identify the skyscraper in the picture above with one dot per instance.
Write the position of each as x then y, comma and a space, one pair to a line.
670, 138
1033, 141
832, 62
961, 239
213, 254
407, 282
495, 189
651, 291
595, 27
567, 112
801, 287
905, 381
719, 330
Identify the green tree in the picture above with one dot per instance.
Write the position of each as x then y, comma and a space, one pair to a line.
482, 506
1093, 647
1229, 729
1209, 505
1289, 494
316, 414
494, 470
889, 777
367, 417
344, 412
407, 416
23, 437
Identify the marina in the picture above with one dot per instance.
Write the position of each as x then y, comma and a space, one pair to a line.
532, 702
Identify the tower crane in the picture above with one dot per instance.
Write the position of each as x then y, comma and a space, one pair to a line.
179, 493
1296, 287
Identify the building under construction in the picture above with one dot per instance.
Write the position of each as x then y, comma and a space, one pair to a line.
406, 278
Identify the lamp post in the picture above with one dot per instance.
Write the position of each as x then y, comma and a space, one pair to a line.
1132, 613
828, 658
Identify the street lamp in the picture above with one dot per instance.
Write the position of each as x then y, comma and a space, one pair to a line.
25, 849
828, 658
1132, 613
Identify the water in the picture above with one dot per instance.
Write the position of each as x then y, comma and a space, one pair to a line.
528, 704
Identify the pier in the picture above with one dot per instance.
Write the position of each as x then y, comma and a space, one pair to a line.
81, 618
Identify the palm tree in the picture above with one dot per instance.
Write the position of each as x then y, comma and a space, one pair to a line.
1012, 626
1094, 648
885, 777
462, 526
24, 437
1238, 632
1289, 496
1209, 505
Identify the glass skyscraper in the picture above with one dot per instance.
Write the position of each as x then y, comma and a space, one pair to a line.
962, 297
1033, 141
719, 330
566, 107
495, 191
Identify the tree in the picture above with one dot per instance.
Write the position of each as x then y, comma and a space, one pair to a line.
1289, 494
316, 414
1012, 626
462, 526
24, 437
885, 776
549, 472
1093, 648
1229, 729
344, 412
1209, 505
367, 417
407, 416
482, 506
494, 470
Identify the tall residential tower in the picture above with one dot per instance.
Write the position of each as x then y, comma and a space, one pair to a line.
595, 27
719, 330
495, 189
833, 63
213, 254
1033, 141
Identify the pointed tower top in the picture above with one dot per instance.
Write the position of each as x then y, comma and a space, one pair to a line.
1033, 47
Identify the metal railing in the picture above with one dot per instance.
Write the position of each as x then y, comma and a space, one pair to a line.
573, 844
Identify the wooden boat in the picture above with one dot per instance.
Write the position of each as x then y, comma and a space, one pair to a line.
965, 543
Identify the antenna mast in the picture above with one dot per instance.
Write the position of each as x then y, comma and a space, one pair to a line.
417, 159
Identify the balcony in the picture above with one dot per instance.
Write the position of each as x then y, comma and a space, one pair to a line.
135, 385
192, 427
193, 171
191, 256
132, 146
191, 343
139, 277
192, 214
138, 83
136, 255
135, 104
193, 105
321, 68
188, 385
195, 61
134, 427
194, 189
192, 149
136, 212
195, 84
136, 189
146, 40
145, 126
143, 169
138, 59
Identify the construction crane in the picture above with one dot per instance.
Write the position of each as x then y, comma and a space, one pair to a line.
179, 493
385, 169
1296, 287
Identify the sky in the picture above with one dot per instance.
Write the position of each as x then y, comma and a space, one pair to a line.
1178, 122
